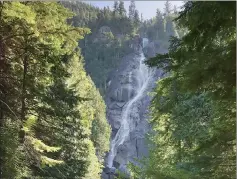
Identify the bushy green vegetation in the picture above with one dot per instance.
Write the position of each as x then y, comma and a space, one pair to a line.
193, 109
51, 115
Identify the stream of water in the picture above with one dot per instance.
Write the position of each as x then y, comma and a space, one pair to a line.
142, 75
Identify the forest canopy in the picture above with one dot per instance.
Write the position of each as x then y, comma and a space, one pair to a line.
193, 109
52, 115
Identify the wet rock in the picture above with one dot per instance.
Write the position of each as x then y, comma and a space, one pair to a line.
116, 105
122, 94
104, 175
122, 88
108, 170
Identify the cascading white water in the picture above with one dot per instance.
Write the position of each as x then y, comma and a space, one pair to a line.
143, 76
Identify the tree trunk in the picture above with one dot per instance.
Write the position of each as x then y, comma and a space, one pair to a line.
23, 105
23, 95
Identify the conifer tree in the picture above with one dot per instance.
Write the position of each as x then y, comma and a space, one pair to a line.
136, 19
49, 122
167, 8
121, 9
132, 8
116, 8
193, 108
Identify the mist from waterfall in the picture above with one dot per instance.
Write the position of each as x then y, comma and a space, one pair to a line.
143, 75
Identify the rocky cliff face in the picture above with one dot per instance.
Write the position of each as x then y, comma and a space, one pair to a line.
122, 87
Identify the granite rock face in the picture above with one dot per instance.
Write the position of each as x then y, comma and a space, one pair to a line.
121, 87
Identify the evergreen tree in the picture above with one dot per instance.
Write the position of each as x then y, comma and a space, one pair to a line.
116, 8
167, 8
136, 19
175, 10
160, 25
132, 8
48, 103
193, 109
121, 9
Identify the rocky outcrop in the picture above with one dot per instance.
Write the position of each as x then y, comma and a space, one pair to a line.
135, 43
121, 87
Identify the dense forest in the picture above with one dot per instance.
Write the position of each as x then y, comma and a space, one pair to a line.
55, 60
53, 122
193, 109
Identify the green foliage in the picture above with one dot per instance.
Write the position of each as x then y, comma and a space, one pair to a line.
120, 175
193, 109
159, 28
48, 104
121, 9
134, 16
132, 8
12, 156
36, 146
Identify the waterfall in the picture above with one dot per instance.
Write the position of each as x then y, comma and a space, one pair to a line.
145, 42
143, 75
